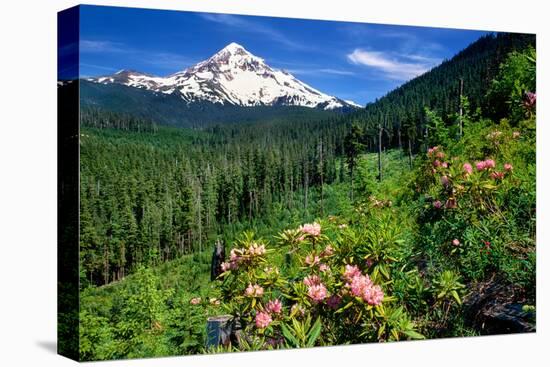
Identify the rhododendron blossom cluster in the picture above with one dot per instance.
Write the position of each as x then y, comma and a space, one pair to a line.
351, 271
312, 280
467, 167
486, 164
311, 229
241, 255
361, 286
254, 291
256, 249
274, 306
317, 292
312, 259
263, 320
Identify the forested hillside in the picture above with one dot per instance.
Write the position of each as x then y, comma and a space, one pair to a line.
402, 111
151, 194
413, 218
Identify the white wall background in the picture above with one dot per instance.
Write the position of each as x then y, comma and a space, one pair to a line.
28, 180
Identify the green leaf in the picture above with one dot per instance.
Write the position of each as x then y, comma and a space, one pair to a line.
414, 335
381, 330
456, 297
314, 333
384, 272
350, 303
289, 337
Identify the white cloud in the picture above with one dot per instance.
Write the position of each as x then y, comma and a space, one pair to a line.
160, 59
318, 71
250, 26
401, 67
93, 46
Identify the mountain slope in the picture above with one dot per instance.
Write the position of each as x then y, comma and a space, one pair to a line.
169, 109
233, 76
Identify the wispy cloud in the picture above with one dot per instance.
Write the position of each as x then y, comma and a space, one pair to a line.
246, 25
98, 67
320, 72
400, 67
160, 59
403, 40
95, 46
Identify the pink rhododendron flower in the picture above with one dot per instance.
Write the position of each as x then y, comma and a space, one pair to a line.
312, 280
226, 266
195, 301
351, 271
312, 259
256, 250
445, 181
328, 251
234, 257
440, 155
359, 284
274, 306
317, 292
312, 229
445, 165
489, 163
437, 204
508, 167
456, 242
437, 163
497, 175
323, 268
254, 291
467, 167
374, 296
263, 319
480, 166
333, 301
529, 99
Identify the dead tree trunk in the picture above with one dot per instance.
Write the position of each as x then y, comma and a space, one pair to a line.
460, 108
379, 153
218, 257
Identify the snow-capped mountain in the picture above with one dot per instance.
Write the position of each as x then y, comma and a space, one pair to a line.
232, 76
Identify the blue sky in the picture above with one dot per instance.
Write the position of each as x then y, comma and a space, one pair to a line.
356, 61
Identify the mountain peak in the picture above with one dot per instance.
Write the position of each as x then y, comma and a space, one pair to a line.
234, 51
234, 76
233, 47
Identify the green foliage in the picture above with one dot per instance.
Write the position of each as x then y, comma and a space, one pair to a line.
516, 77
403, 260
301, 334
448, 286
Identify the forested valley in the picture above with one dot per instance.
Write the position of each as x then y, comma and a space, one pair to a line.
407, 219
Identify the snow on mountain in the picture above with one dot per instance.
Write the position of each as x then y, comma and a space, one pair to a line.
235, 76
